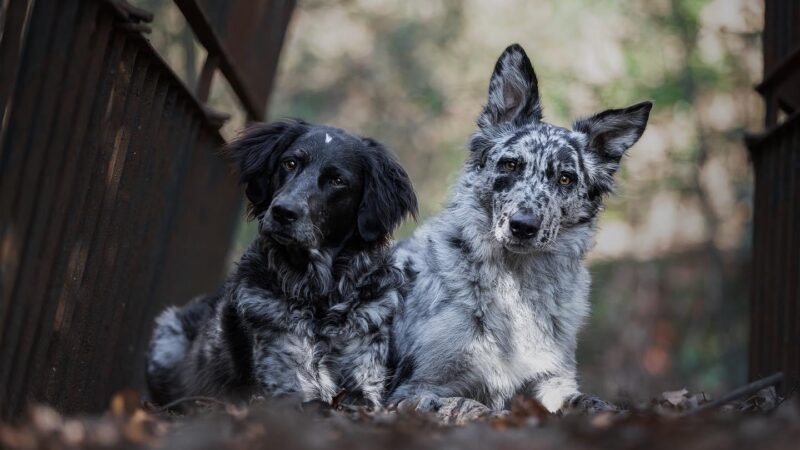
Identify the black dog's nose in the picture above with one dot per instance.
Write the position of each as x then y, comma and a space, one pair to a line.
524, 225
284, 214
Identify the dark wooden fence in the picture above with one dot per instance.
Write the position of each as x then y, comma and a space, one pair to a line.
113, 201
775, 299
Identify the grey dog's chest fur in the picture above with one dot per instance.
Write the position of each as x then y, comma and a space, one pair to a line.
479, 322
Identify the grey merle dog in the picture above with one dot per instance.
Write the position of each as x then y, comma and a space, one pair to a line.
496, 287
307, 310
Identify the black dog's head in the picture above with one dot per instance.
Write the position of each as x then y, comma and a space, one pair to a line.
537, 179
313, 187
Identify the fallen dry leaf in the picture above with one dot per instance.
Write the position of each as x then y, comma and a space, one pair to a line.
675, 398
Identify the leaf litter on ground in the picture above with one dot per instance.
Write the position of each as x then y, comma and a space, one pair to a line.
760, 420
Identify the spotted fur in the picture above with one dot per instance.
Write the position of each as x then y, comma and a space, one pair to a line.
307, 309
489, 314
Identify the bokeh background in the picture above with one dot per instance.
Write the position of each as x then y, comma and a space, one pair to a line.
670, 265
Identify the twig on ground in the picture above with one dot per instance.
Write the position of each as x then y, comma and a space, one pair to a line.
743, 391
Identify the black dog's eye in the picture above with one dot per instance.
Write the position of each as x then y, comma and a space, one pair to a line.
566, 179
338, 182
510, 165
289, 164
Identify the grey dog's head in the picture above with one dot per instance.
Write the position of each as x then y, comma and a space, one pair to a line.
536, 179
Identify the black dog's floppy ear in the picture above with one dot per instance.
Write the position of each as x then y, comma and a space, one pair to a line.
387, 197
513, 91
254, 153
610, 133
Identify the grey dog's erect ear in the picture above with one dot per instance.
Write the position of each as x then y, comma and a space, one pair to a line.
613, 131
609, 134
513, 91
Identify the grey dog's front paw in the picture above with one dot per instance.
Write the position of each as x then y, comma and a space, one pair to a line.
427, 403
587, 404
446, 410
461, 410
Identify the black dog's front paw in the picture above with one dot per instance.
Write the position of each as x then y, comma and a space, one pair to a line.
370, 399
315, 404
587, 404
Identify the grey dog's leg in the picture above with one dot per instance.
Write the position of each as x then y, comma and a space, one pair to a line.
554, 390
559, 393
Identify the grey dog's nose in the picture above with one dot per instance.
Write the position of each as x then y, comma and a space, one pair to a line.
284, 213
524, 225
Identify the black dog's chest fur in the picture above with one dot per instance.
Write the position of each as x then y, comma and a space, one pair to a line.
315, 320
323, 306
322, 325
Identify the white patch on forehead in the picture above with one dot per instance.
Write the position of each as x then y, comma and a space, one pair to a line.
328, 138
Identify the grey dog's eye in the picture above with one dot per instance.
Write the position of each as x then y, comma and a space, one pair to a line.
565, 179
289, 164
510, 166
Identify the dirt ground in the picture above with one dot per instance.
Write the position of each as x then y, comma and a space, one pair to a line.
671, 421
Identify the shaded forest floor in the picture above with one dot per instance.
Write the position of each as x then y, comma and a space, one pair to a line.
671, 421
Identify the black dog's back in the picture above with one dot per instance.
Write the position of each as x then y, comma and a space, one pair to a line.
176, 329
198, 311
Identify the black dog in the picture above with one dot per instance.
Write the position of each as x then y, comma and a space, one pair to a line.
307, 310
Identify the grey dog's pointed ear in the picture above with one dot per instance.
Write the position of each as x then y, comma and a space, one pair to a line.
613, 131
513, 91
609, 134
